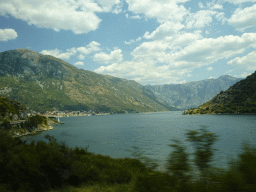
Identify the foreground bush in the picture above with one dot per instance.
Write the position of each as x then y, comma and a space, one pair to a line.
41, 166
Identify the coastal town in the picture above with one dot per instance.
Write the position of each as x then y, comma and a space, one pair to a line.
66, 113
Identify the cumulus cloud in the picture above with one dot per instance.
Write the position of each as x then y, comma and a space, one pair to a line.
132, 41
162, 10
201, 5
238, 1
59, 54
209, 68
221, 17
77, 16
132, 17
214, 5
248, 61
113, 57
200, 19
208, 50
143, 72
92, 47
79, 63
154, 50
111, 5
81, 57
7, 34
244, 18
165, 29
243, 75
158, 50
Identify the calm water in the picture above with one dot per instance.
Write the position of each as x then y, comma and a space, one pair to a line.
114, 135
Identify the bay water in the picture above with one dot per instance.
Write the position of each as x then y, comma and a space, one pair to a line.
151, 133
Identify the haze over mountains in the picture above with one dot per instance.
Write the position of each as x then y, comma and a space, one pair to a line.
192, 94
46, 83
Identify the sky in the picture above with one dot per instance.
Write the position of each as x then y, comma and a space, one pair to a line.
150, 41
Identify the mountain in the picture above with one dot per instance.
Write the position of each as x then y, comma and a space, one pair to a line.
46, 83
193, 94
239, 98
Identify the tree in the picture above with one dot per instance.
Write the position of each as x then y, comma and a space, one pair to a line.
202, 141
178, 161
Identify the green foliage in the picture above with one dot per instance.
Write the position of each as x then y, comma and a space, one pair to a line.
153, 182
40, 166
239, 98
36, 120
5, 124
9, 107
138, 154
178, 162
202, 141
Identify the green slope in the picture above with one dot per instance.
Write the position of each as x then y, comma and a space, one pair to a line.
47, 83
239, 98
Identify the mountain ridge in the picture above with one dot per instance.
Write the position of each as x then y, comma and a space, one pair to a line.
192, 94
238, 99
47, 83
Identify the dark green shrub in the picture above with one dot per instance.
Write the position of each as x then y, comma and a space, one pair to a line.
178, 162
153, 182
6, 124
36, 120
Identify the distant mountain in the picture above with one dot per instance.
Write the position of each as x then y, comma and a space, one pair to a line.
239, 98
46, 83
193, 94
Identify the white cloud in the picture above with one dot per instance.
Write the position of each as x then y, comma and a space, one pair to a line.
113, 57
136, 17
206, 51
165, 29
238, 1
133, 41
244, 18
143, 72
154, 50
248, 61
157, 50
162, 10
111, 5
78, 16
7, 34
59, 54
172, 59
243, 75
92, 47
221, 17
200, 4
79, 63
81, 57
214, 5
133, 17
200, 19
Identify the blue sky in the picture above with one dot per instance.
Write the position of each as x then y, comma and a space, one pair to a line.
149, 41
